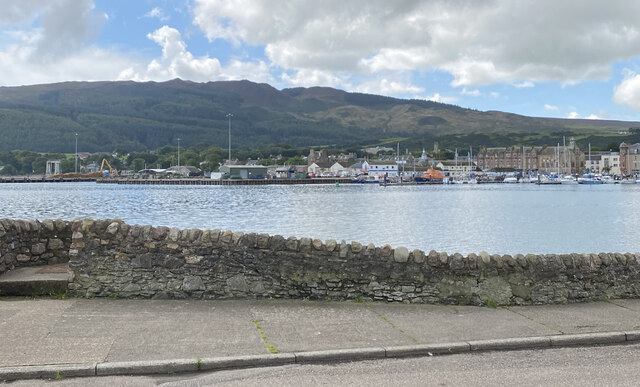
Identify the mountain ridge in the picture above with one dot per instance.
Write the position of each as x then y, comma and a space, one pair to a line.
128, 115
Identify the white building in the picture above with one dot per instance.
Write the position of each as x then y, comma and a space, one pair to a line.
383, 167
456, 169
603, 162
337, 169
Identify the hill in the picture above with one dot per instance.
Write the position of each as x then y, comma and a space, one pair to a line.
129, 116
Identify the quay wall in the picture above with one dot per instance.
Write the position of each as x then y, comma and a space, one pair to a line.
110, 258
33, 243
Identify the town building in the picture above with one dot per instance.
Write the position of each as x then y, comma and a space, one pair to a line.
630, 159
603, 162
244, 171
548, 159
383, 167
452, 168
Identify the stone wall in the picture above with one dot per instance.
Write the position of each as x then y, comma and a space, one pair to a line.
33, 243
111, 258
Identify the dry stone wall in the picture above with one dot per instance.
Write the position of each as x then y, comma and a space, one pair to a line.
111, 258
33, 243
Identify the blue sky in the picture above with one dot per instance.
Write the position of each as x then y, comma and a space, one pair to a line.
577, 59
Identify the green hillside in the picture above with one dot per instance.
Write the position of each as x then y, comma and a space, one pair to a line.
130, 116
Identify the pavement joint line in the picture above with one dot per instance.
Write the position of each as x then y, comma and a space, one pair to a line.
536, 321
150, 367
622, 306
394, 326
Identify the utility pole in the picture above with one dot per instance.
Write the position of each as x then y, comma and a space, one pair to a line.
178, 152
229, 115
76, 161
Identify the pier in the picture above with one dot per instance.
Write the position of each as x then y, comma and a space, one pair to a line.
203, 181
41, 179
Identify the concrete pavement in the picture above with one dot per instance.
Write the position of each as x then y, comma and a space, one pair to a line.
78, 337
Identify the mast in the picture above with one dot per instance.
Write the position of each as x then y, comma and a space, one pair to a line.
564, 151
558, 159
589, 158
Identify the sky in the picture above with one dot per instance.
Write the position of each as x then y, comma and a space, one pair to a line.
548, 58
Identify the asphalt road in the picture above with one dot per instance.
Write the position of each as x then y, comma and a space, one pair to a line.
590, 366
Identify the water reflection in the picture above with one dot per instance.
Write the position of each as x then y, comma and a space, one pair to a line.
462, 218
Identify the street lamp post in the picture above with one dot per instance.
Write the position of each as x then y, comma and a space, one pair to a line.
178, 152
229, 115
76, 161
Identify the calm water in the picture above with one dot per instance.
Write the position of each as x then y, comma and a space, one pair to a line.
498, 218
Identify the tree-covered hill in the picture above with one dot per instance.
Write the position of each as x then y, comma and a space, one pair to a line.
131, 116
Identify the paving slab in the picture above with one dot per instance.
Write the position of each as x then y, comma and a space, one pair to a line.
300, 326
447, 323
156, 330
582, 318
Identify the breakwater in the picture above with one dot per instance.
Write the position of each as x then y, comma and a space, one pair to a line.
112, 258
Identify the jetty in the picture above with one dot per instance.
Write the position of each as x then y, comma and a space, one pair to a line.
204, 181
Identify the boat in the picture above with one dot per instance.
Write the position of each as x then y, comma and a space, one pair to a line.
589, 178
544, 180
607, 179
431, 176
510, 180
568, 180
627, 181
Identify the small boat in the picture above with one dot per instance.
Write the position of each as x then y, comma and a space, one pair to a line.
545, 180
510, 180
589, 178
568, 180
431, 176
627, 181
607, 179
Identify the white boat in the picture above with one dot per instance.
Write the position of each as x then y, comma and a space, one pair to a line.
627, 181
510, 179
607, 179
543, 179
568, 180
588, 178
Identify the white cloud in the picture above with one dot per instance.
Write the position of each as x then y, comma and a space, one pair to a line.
437, 97
494, 94
523, 85
472, 93
157, 13
177, 62
388, 87
573, 115
50, 41
551, 108
556, 41
628, 91
307, 78
593, 117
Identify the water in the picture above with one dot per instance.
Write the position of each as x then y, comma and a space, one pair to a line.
497, 218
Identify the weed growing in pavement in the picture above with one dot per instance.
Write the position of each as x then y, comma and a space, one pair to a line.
491, 303
270, 346
59, 295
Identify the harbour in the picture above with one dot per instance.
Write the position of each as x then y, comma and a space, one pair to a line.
464, 218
